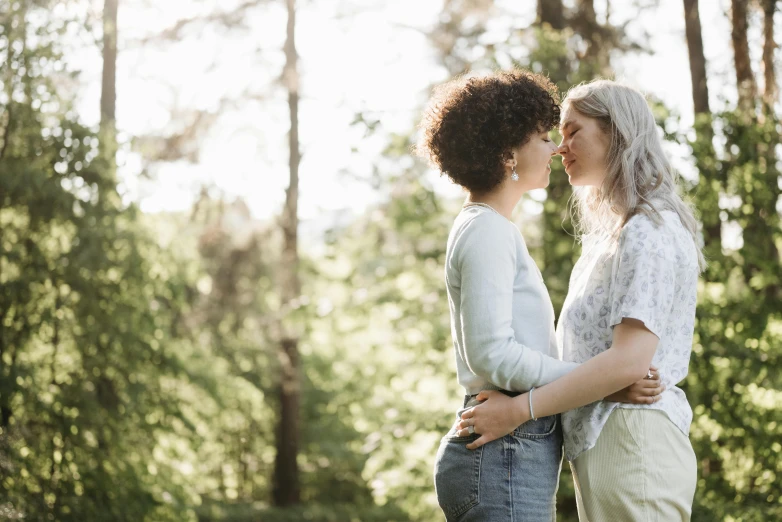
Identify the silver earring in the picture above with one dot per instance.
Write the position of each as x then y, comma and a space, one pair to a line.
514, 176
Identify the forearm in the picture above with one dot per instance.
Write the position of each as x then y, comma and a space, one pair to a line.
597, 378
515, 367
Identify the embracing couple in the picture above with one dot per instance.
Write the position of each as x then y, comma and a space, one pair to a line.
605, 381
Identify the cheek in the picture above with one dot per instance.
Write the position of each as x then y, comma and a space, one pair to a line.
582, 149
598, 154
537, 155
604, 153
575, 147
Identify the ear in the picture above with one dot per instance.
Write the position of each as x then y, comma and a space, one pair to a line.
510, 159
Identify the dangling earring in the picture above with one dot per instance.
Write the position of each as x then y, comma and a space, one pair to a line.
514, 176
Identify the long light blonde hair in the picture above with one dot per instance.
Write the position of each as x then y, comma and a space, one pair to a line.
639, 178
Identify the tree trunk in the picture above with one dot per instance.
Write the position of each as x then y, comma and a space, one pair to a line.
700, 91
710, 184
586, 8
599, 40
551, 12
108, 96
769, 45
587, 24
768, 219
286, 489
745, 79
104, 387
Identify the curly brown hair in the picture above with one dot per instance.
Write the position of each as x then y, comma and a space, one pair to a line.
472, 124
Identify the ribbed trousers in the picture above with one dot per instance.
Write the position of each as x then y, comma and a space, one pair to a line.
642, 469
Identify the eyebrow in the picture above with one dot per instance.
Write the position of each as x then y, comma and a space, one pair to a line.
566, 125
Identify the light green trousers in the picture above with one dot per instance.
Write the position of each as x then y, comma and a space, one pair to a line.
642, 469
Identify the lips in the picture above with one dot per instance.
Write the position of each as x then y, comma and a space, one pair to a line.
567, 162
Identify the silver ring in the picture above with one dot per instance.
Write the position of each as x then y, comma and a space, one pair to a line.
471, 430
649, 374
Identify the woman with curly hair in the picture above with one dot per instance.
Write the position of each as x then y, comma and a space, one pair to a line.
490, 135
630, 303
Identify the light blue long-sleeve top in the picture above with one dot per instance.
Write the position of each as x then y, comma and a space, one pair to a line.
502, 319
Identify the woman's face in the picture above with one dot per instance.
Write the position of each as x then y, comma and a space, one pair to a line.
533, 160
584, 149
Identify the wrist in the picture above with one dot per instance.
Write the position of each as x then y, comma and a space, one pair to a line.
522, 409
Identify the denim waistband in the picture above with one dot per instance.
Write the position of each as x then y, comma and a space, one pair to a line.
506, 392
470, 399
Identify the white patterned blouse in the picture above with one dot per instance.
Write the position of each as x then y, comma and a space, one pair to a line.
649, 274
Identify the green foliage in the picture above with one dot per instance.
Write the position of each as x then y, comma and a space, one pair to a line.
734, 383
88, 306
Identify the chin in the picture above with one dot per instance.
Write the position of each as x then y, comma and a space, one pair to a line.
574, 179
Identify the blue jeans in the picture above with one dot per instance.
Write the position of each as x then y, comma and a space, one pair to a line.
514, 478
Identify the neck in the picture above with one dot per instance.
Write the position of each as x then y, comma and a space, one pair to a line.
503, 200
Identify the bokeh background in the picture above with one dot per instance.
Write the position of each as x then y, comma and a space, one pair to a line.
221, 289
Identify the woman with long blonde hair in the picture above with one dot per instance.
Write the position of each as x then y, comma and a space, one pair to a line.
630, 304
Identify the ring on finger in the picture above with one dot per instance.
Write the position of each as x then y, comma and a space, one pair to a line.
471, 429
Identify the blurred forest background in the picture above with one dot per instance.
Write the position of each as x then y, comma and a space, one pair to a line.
215, 362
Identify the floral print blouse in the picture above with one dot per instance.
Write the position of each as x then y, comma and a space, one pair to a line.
649, 274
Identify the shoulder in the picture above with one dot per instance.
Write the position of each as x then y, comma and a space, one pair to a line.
479, 226
484, 233
641, 224
644, 230
645, 238
483, 217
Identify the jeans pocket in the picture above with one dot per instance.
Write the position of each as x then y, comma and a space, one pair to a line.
537, 429
457, 476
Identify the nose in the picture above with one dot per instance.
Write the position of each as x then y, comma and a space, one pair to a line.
562, 148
